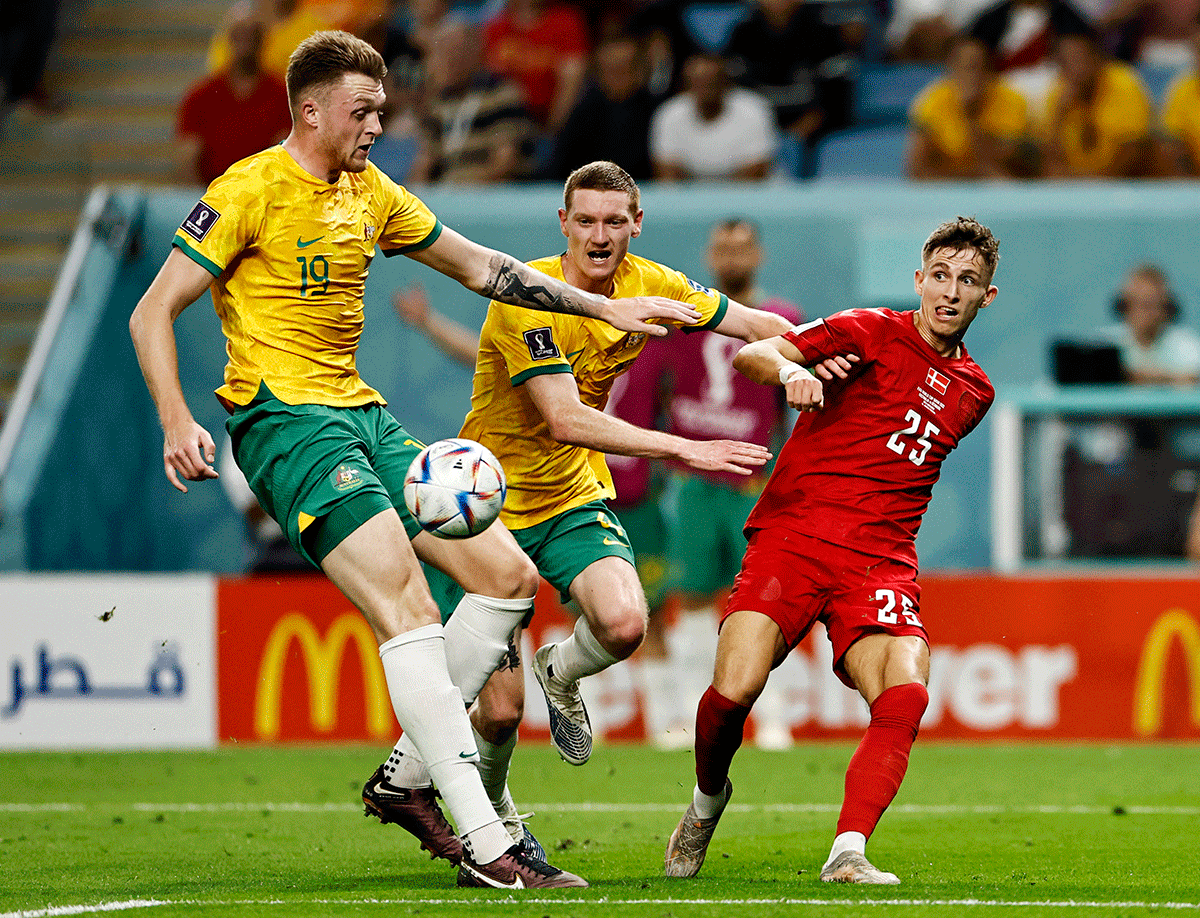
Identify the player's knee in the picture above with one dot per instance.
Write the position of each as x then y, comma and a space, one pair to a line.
622, 630
516, 578
740, 686
499, 716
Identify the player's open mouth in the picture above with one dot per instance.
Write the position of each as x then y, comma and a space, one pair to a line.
599, 257
945, 312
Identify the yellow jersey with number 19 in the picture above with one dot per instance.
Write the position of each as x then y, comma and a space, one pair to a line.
290, 253
546, 477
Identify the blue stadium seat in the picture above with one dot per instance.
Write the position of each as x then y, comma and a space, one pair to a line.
866, 152
883, 94
1158, 79
711, 24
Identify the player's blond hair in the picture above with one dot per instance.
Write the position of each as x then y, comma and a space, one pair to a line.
964, 233
602, 176
324, 58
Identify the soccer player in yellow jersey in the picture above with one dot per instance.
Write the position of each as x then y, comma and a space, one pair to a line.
541, 384
284, 240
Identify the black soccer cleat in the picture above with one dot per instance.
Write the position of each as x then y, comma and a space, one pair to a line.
416, 810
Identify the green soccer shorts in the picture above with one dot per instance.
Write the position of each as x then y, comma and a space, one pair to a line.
561, 547
322, 471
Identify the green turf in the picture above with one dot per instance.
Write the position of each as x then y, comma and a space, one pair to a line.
1117, 836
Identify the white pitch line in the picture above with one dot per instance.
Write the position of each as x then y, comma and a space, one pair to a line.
912, 809
131, 904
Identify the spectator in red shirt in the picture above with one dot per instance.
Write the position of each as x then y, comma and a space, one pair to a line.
543, 45
234, 113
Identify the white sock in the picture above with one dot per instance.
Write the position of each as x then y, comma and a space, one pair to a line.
847, 841
493, 765
430, 711
404, 767
707, 807
660, 696
477, 637
579, 655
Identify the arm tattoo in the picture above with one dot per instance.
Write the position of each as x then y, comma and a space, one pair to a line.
510, 281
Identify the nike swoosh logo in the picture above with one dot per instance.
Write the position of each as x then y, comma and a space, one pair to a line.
608, 541
301, 244
466, 755
494, 883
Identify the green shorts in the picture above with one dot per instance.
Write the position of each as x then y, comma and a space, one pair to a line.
705, 544
320, 471
647, 531
561, 547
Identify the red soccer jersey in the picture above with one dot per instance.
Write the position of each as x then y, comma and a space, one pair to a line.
860, 473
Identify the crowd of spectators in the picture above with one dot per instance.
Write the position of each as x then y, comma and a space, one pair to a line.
741, 90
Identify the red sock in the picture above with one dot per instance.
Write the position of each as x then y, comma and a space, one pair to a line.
879, 763
719, 727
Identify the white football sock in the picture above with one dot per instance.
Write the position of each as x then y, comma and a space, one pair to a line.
405, 767
847, 841
707, 807
477, 637
494, 759
430, 711
579, 655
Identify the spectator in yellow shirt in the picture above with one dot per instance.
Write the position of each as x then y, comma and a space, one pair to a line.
1180, 126
1098, 115
971, 123
287, 24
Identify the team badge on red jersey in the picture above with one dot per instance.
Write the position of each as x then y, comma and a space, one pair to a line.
937, 381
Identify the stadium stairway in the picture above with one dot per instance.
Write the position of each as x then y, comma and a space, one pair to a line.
119, 69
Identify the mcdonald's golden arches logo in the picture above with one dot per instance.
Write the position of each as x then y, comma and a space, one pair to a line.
1152, 670
323, 662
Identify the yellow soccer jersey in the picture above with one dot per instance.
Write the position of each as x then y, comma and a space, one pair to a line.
290, 254
546, 477
1121, 112
1181, 113
939, 114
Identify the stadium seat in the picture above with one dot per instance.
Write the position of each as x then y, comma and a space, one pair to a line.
866, 152
1158, 79
884, 94
712, 24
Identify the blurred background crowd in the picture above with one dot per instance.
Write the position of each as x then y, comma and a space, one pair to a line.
684, 90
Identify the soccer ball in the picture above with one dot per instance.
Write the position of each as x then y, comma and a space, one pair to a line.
455, 488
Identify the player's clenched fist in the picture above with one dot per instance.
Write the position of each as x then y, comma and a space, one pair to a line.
804, 391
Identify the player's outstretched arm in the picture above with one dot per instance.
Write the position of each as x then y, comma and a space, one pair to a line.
776, 361
188, 449
501, 277
556, 397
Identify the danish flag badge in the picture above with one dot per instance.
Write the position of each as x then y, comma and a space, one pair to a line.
936, 380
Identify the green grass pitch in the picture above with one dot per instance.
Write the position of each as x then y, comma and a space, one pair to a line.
977, 830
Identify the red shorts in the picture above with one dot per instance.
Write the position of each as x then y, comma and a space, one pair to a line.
797, 580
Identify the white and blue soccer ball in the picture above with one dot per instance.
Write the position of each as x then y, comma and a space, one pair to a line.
455, 488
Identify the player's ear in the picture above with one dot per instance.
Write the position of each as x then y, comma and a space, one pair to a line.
918, 280
989, 296
562, 221
309, 113
637, 224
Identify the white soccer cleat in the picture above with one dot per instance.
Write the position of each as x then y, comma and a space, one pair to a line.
570, 727
852, 867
